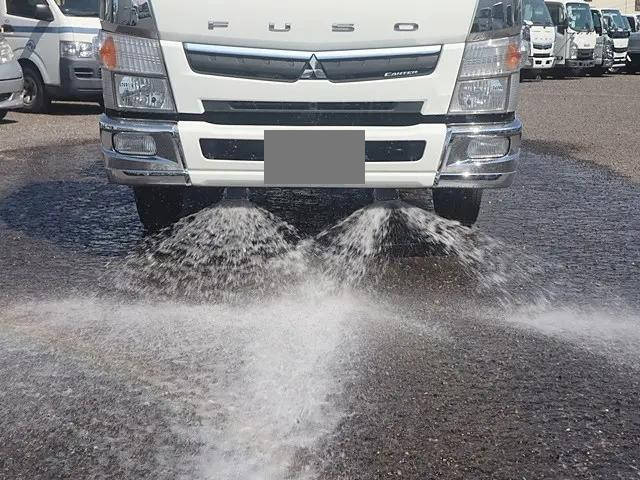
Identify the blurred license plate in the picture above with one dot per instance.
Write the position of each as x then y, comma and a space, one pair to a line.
314, 158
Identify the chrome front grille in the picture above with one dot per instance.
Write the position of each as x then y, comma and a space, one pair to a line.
542, 46
295, 65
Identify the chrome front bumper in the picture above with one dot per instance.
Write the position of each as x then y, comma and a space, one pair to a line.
168, 166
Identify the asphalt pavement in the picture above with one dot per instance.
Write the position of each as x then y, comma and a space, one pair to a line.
429, 369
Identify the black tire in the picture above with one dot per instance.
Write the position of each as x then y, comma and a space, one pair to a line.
35, 99
3, 113
159, 207
460, 204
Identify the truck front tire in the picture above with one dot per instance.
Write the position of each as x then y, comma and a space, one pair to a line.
36, 99
159, 207
460, 204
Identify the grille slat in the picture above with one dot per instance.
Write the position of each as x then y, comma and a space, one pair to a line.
253, 150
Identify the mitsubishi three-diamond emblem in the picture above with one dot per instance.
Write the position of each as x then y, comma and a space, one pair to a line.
313, 70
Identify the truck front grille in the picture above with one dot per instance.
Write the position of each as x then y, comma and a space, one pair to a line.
253, 150
620, 49
542, 46
294, 65
585, 54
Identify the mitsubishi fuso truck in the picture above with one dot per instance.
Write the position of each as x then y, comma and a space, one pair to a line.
603, 54
539, 31
360, 94
619, 34
575, 35
55, 42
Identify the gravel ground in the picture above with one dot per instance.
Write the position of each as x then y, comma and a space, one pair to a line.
423, 373
588, 119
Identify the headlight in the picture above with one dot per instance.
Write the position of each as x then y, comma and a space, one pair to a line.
135, 76
143, 93
77, 49
6, 52
573, 50
486, 75
482, 95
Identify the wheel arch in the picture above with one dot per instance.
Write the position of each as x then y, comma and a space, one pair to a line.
37, 66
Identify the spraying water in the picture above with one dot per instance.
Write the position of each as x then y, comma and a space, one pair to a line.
255, 354
214, 254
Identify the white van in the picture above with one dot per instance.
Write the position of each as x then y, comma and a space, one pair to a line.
54, 41
576, 36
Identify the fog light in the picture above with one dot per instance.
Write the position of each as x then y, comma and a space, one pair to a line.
134, 144
488, 147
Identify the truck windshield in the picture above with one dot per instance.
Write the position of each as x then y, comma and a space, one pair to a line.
579, 15
79, 8
536, 13
625, 22
616, 18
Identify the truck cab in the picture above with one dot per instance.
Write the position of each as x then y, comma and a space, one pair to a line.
575, 35
539, 31
619, 34
633, 53
603, 53
356, 94
54, 41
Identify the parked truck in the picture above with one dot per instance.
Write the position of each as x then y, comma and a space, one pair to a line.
620, 36
539, 31
333, 94
54, 41
575, 35
603, 55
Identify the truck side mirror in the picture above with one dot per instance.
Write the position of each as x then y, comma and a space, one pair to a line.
599, 30
43, 13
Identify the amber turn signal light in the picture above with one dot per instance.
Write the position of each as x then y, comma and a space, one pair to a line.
108, 55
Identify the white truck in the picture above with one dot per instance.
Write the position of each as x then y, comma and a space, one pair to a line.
55, 42
619, 34
411, 94
603, 54
539, 31
575, 35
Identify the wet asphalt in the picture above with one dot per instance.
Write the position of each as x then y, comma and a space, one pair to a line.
419, 373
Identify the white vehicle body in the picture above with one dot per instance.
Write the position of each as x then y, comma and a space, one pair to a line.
389, 71
540, 32
619, 36
542, 47
575, 34
10, 79
39, 44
